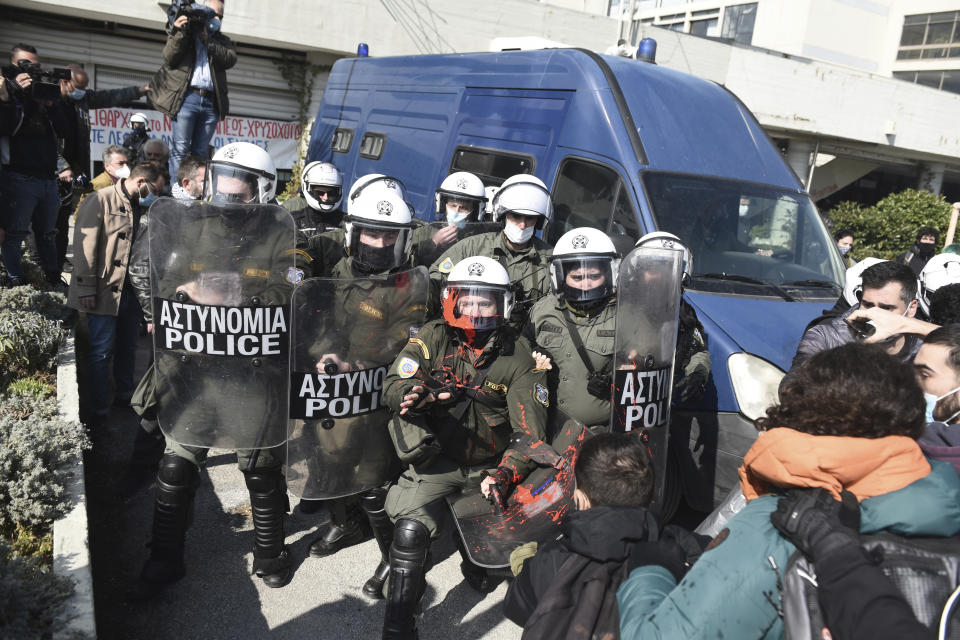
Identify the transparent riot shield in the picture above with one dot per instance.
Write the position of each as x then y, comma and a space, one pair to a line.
432, 239
221, 278
346, 333
648, 304
533, 510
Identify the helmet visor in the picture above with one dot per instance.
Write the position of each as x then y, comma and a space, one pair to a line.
583, 278
474, 308
229, 183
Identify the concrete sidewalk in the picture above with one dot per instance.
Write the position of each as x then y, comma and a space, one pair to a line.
219, 599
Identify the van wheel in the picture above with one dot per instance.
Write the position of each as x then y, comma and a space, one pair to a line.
672, 489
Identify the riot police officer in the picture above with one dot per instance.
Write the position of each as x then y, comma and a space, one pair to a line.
460, 202
522, 205
210, 258
461, 389
374, 316
692, 365
576, 325
321, 190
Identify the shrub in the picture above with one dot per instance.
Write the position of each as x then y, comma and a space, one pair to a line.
28, 343
50, 304
31, 599
889, 228
35, 447
35, 386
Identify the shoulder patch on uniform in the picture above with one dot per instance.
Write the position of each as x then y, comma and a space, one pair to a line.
446, 265
542, 395
370, 310
407, 367
552, 328
606, 333
196, 266
253, 272
299, 252
423, 347
294, 275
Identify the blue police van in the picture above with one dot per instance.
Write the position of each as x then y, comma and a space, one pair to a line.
626, 147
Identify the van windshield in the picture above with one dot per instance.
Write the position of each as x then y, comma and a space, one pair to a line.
747, 238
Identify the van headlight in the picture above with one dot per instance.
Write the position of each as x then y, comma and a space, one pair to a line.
755, 383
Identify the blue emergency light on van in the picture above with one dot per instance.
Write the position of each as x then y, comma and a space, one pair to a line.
627, 148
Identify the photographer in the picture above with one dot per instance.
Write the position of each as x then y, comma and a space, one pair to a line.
191, 86
35, 118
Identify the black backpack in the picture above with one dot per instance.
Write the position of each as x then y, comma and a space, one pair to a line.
925, 570
580, 603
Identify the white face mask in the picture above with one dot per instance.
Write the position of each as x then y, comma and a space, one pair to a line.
744, 208
123, 172
456, 217
516, 235
932, 401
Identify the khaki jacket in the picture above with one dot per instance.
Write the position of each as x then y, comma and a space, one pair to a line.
102, 239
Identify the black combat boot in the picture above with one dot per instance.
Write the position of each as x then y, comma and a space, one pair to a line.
346, 528
268, 502
372, 504
408, 567
176, 485
148, 448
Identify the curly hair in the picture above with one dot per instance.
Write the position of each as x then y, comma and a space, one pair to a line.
945, 305
855, 390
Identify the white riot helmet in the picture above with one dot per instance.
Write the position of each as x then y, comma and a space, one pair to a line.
853, 286
477, 295
465, 187
378, 230
139, 118
376, 182
940, 270
240, 172
666, 240
523, 194
584, 266
321, 177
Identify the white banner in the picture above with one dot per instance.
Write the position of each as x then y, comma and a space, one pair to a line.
279, 138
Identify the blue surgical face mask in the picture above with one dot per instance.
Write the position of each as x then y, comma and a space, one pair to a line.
844, 249
147, 200
77, 94
932, 401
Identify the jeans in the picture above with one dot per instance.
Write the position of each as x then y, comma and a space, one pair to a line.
194, 126
29, 201
116, 337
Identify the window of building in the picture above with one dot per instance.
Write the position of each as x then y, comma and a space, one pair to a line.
924, 36
706, 28
948, 80
738, 22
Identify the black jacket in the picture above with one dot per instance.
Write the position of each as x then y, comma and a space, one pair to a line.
603, 534
76, 140
34, 130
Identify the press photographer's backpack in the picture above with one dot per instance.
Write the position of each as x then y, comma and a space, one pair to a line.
925, 570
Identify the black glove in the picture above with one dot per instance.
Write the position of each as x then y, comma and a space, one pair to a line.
690, 387
816, 523
502, 482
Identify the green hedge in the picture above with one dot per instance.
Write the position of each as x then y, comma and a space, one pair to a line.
889, 228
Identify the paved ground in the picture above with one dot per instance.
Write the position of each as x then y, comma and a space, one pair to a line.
219, 598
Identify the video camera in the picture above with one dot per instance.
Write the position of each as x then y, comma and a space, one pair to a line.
46, 84
197, 15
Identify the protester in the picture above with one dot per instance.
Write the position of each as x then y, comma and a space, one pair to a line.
844, 238
945, 305
106, 228
190, 177
611, 533
29, 178
191, 86
847, 419
938, 371
116, 167
924, 248
154, 150
889, 286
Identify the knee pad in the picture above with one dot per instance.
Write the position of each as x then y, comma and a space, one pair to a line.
176, 472
410, 536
